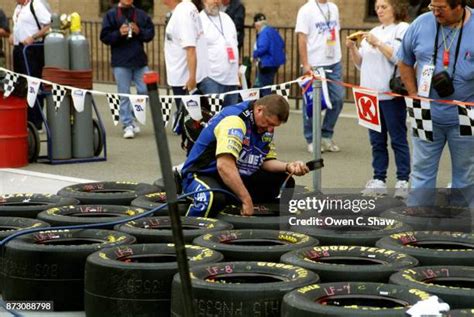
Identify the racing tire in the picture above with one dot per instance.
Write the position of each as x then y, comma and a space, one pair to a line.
240, 288
49, 265
12, 225
254, 245
355, 299
30, 205
433, 247
156, 200
135, 280
88, 214
269, 218
107, 193
350, 263
433, 218
98, 137
453, 284
459, 313
158, 229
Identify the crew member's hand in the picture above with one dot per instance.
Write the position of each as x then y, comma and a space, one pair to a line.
135, 28
372, 40
124, 30
297, 168
247, 208
190, 84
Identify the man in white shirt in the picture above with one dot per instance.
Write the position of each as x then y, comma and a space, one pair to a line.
187, 64
317, 27
31, 21
223, 53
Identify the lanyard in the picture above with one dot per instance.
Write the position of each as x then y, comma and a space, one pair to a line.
328, 18
221, 29
446, 53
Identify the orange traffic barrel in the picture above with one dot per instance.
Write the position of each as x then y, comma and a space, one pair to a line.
13, 132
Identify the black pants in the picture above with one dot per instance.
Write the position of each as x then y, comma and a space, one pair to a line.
263, 187
35, 59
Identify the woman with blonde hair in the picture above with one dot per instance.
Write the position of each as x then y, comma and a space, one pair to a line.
376, 58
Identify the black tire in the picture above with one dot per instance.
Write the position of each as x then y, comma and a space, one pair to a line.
241, 288
34, 143
156, 200
270, 219
98, 137
367, 233
433, 218
453, 284
88, 214
433, 247
354, 299
158, 229
49, 265
136, 280
107, 193
459, 313
254, 245
350, 263
11, 225
30, 205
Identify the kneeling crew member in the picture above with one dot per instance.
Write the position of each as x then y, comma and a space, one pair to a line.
236, 152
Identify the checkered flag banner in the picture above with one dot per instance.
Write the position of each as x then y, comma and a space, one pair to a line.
466, 120
58, 93
9, 83
114, 105
166, 105
215, 102
281, 90
419, 114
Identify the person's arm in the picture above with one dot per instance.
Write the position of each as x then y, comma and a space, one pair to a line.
303, 49
227, 169
408, 75
297, 168
263, 45
385, 49
40, 34
147, 31
191, 59
356, 57
4, 29
110, 34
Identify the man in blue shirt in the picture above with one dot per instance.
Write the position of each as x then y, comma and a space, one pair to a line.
269, 51
125, 28
236, 152
451, 21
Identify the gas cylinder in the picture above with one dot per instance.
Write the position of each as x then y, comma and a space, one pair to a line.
56, 54
82, 127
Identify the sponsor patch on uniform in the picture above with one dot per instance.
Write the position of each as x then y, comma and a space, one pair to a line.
238, 133
267, 137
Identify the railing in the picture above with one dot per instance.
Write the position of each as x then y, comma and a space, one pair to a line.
102, 72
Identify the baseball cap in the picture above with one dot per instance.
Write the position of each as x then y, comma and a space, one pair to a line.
259, 17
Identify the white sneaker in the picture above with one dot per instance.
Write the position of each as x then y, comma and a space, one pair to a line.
329, 145
128, 132
310, 148
136, 129
375, 187
401, 189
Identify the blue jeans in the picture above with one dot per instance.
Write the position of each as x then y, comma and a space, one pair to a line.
213, 87
393, 116
336, 94
124, 77
265, 77
426, 156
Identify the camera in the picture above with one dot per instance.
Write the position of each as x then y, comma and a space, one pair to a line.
130, 31
443, 84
